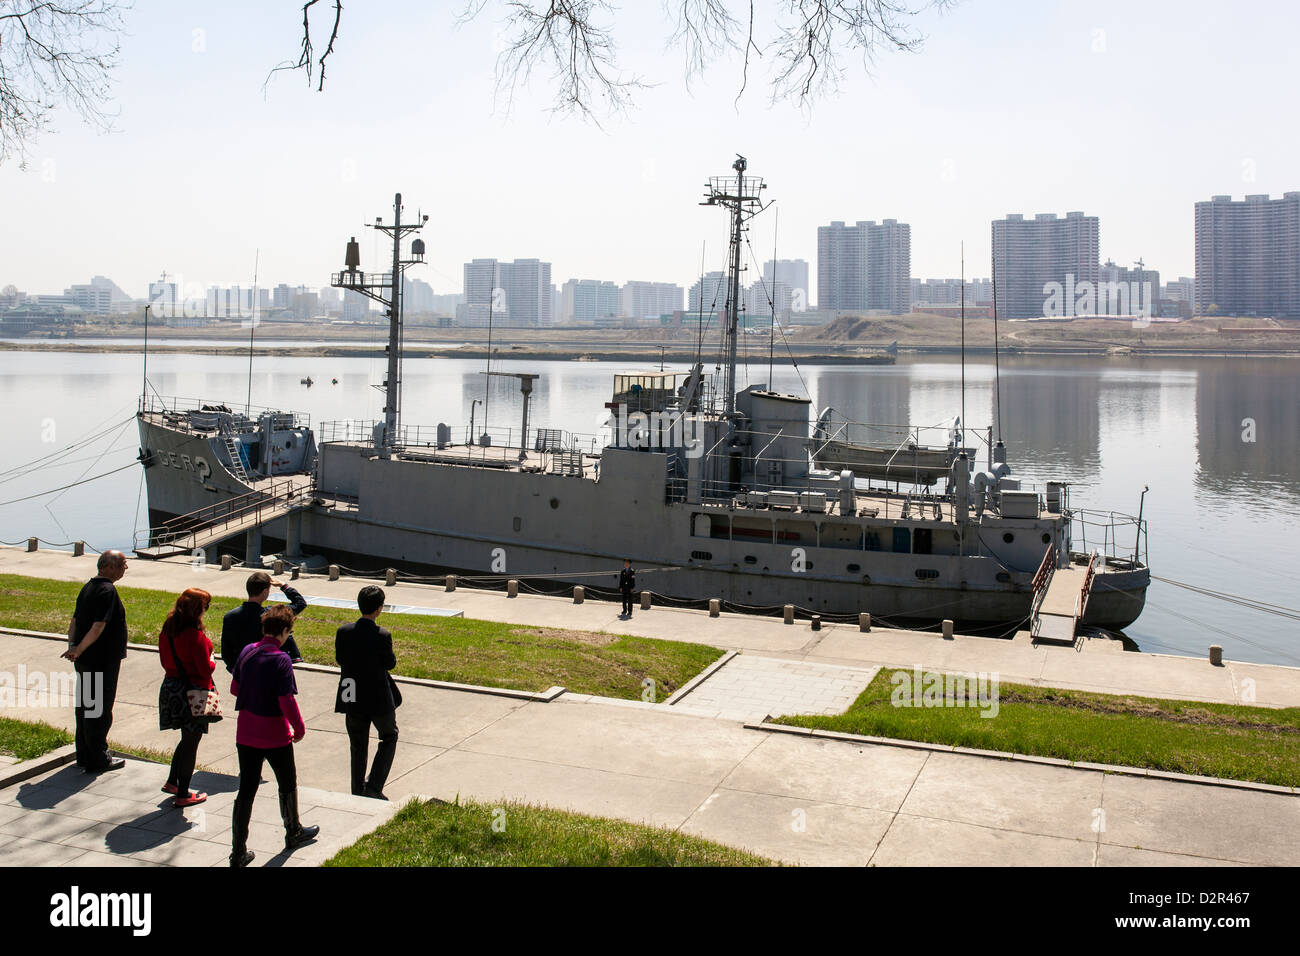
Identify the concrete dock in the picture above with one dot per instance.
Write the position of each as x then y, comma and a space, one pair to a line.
695, 765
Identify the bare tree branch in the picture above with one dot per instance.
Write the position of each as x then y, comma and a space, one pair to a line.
52, 54
306, 50
572, 40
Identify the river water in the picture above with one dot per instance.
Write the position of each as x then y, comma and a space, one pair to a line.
1217, 441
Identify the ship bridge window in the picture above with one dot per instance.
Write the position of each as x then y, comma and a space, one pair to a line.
923, 541
902, 541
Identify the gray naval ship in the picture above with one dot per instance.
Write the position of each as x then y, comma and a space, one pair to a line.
712, 492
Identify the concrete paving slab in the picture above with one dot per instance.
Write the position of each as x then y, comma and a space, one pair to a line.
641, 742
433, 718
926, 841
1108, 855
91, 858
23, 852
858, 775
1217, 822
1008, 795
789, 829
656, 800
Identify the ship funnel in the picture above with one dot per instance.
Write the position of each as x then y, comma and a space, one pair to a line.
352, 258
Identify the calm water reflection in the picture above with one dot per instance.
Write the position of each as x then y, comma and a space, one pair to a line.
1223, 512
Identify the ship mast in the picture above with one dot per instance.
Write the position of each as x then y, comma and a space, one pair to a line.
739, 195
373, 286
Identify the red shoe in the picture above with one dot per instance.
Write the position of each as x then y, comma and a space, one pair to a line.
190, 799
169, 788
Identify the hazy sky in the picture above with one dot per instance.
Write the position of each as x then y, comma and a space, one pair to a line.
1131, 112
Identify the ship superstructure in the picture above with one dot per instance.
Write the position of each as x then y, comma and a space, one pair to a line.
745, 495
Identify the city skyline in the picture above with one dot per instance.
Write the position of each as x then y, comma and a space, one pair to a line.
193, 180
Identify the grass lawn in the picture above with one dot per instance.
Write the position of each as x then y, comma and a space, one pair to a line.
1217, 740
438, 648
28, 739
468, 833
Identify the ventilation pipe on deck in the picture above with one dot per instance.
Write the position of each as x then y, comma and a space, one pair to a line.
848, 498
961, 489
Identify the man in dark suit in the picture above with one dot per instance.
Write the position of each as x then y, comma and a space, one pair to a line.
243, 625
367, 694
96, 645
626, 585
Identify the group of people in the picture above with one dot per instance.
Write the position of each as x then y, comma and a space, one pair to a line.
259, 651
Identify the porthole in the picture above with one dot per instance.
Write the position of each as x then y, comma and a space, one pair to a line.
555, 503
1008, 537
927, 574
1003, 577
518, 523
1047, 538
750, 559
854, 568
702, 555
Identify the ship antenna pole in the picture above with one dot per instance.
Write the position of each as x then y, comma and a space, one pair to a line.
373, 286
962, 433
699, 342
745, 203
144, 383
487, 378
771, 329
248, 402
997, 365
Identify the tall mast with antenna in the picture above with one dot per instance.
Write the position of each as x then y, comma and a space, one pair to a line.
373, 286
741, 197
771, 329
248, 402
962, 434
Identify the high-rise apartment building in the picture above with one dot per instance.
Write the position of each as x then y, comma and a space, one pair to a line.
864, 267
585, 301
709, 294
1248, 256
1030, 256
515, 294
793, 273
649, 300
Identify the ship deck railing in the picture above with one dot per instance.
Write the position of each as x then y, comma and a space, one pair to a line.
422, 438
175, 411
1120, 539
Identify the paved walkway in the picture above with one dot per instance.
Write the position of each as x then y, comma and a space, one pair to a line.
752, 688
792, 797
69, 818
1096, 665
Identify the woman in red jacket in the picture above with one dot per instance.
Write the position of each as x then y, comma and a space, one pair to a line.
186, 655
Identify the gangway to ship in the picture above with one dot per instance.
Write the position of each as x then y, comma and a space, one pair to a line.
1060, 599
213, 524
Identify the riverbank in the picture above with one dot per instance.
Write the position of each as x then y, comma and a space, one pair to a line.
849, 339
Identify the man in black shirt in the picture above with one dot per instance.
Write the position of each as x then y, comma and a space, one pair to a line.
243, 625
367, 695
627, 584
96, 645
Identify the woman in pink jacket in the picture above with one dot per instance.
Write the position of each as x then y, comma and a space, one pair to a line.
269, 725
